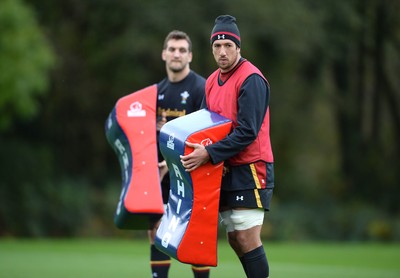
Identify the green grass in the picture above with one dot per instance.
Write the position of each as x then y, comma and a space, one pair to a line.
129, 258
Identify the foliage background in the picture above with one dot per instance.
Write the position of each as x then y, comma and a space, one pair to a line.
332, 65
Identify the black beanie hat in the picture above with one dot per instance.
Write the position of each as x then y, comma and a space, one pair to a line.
225, 28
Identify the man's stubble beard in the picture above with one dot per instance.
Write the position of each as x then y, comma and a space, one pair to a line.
176, 69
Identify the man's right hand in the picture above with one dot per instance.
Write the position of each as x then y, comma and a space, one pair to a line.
195, 159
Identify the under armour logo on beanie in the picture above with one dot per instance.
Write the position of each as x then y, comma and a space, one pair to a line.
225, 28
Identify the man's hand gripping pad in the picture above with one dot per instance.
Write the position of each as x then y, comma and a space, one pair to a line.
131, 132
188, 230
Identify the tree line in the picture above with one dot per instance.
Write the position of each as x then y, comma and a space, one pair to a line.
335, 115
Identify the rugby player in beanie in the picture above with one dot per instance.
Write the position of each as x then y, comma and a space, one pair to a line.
238, 90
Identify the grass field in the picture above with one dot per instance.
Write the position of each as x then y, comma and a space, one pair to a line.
129, 258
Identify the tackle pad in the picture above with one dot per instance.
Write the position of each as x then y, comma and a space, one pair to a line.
188, 230
131, 131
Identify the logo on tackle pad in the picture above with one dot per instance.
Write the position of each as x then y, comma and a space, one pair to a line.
135, 110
